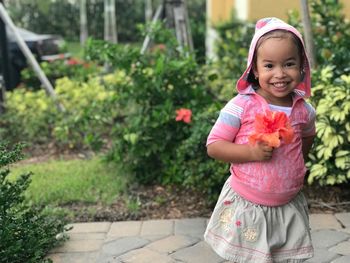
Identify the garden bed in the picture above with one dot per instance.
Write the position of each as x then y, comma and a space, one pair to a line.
141, 202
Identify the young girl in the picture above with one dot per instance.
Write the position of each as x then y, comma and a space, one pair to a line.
261, 215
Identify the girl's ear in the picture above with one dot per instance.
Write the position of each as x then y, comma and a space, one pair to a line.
255, 72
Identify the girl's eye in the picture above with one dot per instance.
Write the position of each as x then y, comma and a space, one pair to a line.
290, 64
268, 66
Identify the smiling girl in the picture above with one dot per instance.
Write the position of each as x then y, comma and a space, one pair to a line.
261, 214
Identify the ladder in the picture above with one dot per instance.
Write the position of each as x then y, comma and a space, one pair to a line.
174, 12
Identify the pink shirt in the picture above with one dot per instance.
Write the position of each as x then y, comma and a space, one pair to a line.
277, 181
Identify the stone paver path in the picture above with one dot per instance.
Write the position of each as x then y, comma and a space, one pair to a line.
170, 241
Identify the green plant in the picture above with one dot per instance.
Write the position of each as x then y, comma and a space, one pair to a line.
331, 34
147, 139
90, 112
192, 167
26, 233
73, 68
330, 158
232, 51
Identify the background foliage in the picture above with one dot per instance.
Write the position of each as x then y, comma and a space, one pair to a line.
36, 15
134, 107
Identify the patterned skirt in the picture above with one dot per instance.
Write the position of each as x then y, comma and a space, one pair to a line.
242, 232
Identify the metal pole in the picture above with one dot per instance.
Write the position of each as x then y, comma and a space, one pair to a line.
26, 51
148, 38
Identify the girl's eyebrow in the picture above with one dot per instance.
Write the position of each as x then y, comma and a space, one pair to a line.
268, 60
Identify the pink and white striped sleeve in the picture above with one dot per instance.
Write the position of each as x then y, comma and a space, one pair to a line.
309, 128
228, 122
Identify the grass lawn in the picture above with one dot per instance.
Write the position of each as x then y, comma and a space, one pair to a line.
60, 182
75, 49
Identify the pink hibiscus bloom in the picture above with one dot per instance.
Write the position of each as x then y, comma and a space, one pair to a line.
271, 127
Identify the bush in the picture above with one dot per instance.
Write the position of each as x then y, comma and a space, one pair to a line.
232, 51
331, 33
31, 116
330, 158
26, 233
192, 167
72, 68
147, 139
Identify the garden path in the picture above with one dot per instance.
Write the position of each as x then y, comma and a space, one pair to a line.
181, 240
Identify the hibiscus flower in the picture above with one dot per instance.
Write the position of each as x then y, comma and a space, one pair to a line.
271, 127
183, 115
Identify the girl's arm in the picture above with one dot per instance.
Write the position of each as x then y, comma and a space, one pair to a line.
306, 145
239, 153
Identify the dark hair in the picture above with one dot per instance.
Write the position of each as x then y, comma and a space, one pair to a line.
278, 33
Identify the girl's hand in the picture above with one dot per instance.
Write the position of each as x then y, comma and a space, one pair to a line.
261, 151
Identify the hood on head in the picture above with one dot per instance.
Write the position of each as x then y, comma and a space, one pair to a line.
262, 27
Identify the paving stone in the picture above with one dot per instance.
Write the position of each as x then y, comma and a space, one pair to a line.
145, 255
328, 238
342, 248
324, 221
198, 253
85, 236
108, 259
344, 218
343, 259
346, 230
122, 245
157, 227
155, 238
322, 256
124, 229
90, 227
79, 246
172, 243
74, 257
191, 227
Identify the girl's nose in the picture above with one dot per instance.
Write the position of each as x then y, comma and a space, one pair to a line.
279, 72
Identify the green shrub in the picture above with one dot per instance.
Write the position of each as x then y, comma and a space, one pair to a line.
26, 233
161, 81
331, 34
192, 167
31, 116
147, 139
72, 68
330, 158
232, 51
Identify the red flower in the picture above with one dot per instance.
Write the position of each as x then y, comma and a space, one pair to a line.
72, 61
238, 223
271, 127
183, 115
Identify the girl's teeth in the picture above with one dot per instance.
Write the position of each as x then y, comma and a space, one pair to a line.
279, 85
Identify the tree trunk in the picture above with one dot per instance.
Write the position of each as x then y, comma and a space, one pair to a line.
309, 41
83, 22
110, 25
148, 11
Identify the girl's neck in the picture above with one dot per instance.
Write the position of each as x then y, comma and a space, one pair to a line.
284, 102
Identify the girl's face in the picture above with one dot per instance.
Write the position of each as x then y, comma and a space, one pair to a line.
278, 70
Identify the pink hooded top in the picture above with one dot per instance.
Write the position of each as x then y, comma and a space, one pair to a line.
277, 181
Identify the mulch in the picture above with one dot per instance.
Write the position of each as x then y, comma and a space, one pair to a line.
173, 202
